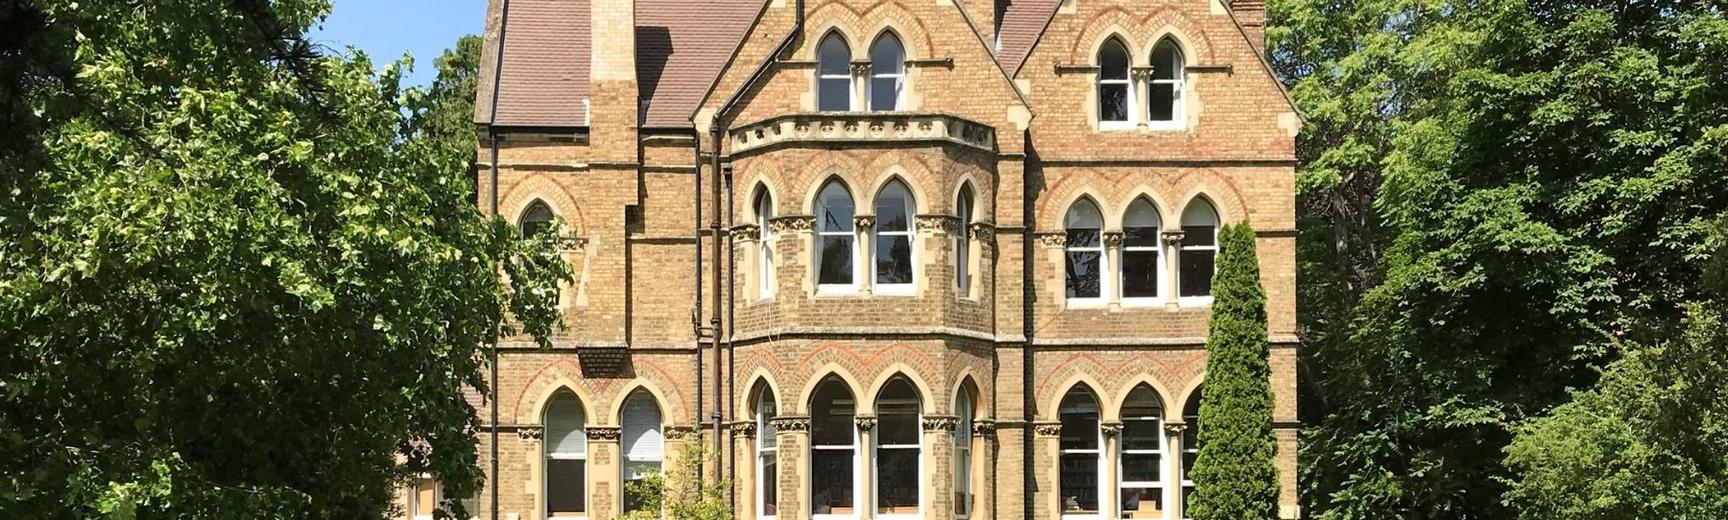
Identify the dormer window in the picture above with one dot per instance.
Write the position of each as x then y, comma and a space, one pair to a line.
1164, 86
887, 73
1115, 90
833, 75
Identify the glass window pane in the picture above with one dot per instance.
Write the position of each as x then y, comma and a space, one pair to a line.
1163, 102
1199, 236
886, 56
1141, 435
1079, 483
1140, 237
1113, 61
1166, 61
893, 209
831, 482
564, 420
831, 416
897, 480
897, 429
836, 260
1143, 503
835, 95
565, 491
1083, 215
1083, 274
893, 259
1141, 467
1079, 416
1084, 238
1199, 213
770, 479
1197, 272
1113, 102
1140, 274
833, 58
884, 94
836, 210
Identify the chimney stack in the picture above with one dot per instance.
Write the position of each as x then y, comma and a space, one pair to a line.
614, 104
1252, 15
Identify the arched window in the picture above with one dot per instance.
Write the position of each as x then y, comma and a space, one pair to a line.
833, 74
834, 249
833, 451
963, 243
893, 238
765, 279
767, 455
964, 411
1199, 248
887, 73
1082, 449
535, 217
1164, 85
643, 445
566, 450
1141, 466
1190, 445
1085, 228
899, 435
1142, 273
423, 498
1115, 90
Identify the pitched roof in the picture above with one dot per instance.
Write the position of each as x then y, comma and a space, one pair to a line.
1023, 21
680, 47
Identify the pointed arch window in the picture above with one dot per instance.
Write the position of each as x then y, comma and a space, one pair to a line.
833, 74
1164, 85
767, 455
1141, 461
893, 239
899, 435
1115, 90
1199, 252
1142, 272
566, 453
833, 451
964, 412
1190, 446
963, 243
1085, 254
535, 217
644, 446
1082, 448
765, 279
887, 73
423, 498
836, 238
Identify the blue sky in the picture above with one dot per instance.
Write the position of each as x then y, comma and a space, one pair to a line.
387, 28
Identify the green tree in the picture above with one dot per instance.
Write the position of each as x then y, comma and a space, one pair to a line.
1234, 476
238, 279
675, 493
1547, 170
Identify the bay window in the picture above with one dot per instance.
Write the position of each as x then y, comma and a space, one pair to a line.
833, 451
899, 435
1081, 461
836, 238
893, 239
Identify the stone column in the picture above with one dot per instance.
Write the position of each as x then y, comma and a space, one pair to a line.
792, 439
605, 472
1108, 502
745, 480
986, 449
937, 490
865, 501
1113, 259
1173, 248
865, 255
1173, 468
1047, 455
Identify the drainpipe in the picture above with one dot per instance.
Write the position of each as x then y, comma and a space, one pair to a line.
696, 317
731, 334
492, 137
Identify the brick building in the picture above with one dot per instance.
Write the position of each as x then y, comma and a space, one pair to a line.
952, 259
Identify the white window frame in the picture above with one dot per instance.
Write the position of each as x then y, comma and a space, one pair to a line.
876, 471
964, 495
1179, 105
1162, 269
580, 458
1187, 245
765, 279
630, 459
851, 90
851, 237
1127, 81
1104, 495
1103, 260
876, 243
1190, 423
899, 77
1163, 465
857, 486
765, 447
963, 207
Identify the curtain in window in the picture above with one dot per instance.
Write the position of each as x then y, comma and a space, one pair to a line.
566, 449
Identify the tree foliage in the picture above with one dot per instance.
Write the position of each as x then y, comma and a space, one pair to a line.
238, 278
675, 493
1234, 476
1544, 175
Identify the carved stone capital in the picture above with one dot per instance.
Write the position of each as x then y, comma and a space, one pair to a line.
984, 428
791, 424
604, 433
744, 232
1175, 428
861, 68
864, 221
865, 422
938, 223
1173, 237
1113, 238
680, 432
533, 433
569, 243
1047, 429
941, 423
791, 223
745, 429
1056, 239
1110, 429
983, 232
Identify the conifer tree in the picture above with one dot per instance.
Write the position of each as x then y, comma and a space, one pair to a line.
1234, 478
